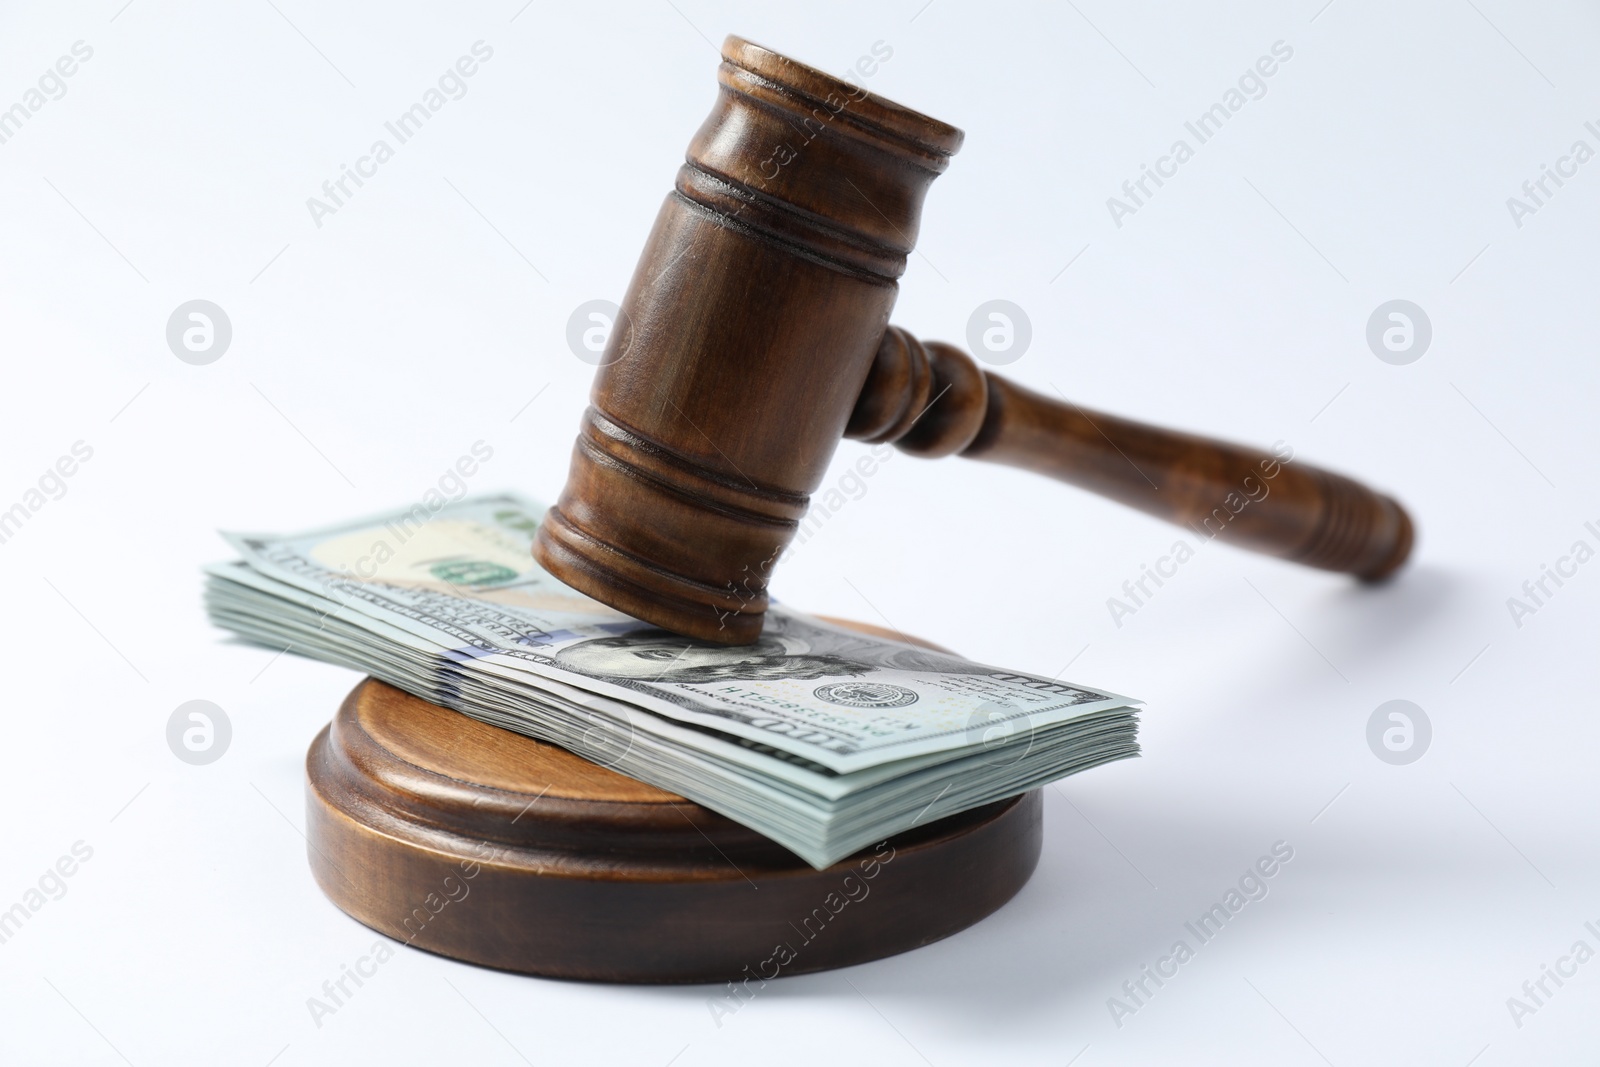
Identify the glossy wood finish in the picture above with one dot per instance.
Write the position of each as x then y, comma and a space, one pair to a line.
757, 312
934, 400
483, 845
754, 313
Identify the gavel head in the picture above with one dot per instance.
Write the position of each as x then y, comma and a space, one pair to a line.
753, 318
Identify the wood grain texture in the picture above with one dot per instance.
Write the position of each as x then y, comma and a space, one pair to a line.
932, 399
755, 334
483, 845
751, 321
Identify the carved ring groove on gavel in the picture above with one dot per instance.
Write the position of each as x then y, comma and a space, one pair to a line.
755, 335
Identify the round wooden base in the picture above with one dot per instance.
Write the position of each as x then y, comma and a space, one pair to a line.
487, 846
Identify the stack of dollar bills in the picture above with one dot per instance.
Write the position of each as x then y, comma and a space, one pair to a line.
824, 739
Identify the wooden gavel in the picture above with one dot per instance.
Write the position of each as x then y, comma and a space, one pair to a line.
755, 335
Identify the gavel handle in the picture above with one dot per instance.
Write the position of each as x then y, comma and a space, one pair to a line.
931, 399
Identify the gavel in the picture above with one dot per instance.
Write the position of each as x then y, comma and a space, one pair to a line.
755, 334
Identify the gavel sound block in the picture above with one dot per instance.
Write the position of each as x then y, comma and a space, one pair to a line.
473, 842
755, 335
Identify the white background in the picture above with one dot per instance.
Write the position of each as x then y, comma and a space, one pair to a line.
369, 353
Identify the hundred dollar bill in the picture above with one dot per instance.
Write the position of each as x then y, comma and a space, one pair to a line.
465, 578
820, 738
